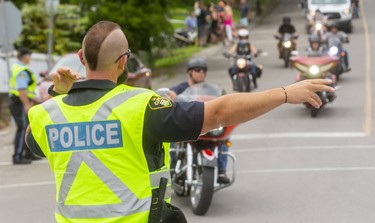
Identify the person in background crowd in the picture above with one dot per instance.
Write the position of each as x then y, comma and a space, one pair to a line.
191, 22
245, 12
228, 23
214, 30
201, 13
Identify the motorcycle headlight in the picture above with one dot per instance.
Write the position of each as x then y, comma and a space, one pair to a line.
314, 70
333, 51
216, 132
241, 63
318, 26
287, 44
347, 11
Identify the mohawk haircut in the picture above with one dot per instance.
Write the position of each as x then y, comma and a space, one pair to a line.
94, 39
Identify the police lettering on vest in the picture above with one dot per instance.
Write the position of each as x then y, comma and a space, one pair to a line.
84, 136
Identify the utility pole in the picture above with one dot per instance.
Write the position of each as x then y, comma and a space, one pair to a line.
6, 46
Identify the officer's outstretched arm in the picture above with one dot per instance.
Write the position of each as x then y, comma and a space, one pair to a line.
237, 108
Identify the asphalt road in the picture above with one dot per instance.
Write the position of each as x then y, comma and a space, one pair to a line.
291, 168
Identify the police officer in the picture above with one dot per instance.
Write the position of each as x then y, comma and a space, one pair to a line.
104, 141
21, 92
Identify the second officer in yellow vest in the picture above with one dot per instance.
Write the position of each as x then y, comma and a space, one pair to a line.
21, 97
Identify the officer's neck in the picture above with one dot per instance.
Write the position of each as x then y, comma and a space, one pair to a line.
101, 75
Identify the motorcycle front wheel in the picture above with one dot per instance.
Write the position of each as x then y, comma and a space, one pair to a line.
314, 112
286, 58
243, 84
202, 189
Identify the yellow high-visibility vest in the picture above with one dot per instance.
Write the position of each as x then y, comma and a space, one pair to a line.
97, 156
16, 70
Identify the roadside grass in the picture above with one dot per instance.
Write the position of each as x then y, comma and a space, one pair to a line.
176, 57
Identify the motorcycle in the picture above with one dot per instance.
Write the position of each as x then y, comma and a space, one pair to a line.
316, 67
243, 76
318, 28
335, 49
183, 37
194, 165
287, 46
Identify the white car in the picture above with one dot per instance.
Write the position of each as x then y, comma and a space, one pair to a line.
338, 11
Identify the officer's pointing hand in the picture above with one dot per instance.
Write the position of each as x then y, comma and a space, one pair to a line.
305, 91
63, 79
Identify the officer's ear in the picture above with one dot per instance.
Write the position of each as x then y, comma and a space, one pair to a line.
80, 55
122, 62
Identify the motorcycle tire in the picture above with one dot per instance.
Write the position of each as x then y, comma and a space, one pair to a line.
314, 112
286, 58
202, 190
243, 84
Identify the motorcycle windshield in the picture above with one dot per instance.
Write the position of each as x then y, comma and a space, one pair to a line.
287, 36
201, 92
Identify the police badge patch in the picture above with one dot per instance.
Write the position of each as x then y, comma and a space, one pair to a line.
157, 102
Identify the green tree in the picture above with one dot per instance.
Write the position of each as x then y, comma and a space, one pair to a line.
141, 20
69, 28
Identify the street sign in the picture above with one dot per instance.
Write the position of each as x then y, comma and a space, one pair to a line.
10, 24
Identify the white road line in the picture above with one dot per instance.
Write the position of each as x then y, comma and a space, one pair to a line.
322, 169
283, 148
27, 184
368, 85
299, 135
33, 163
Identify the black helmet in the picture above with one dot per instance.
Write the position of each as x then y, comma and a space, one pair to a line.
334, 25
286, 20
314, 39
197, 63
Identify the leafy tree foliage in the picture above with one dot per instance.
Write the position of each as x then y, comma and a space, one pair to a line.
141, 20
69, 27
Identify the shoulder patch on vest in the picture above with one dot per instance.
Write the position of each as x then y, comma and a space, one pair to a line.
157, 102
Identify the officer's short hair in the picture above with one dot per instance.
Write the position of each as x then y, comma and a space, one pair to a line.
23, 51
94, 39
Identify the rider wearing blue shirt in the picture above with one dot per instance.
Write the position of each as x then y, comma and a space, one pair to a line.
197, 69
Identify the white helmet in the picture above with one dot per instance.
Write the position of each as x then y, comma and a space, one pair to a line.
243, 33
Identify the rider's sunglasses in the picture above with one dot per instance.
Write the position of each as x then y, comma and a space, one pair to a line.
127, 54
197, 69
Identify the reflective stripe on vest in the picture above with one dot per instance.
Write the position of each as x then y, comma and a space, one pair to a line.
16, 69
127, 197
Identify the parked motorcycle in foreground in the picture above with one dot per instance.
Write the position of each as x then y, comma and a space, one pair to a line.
246, 70
314, 67
194, 165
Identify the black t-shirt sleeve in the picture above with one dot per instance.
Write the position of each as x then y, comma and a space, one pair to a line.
33, 145
181, 122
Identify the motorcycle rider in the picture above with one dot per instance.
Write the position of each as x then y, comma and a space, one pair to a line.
243, 48
335, 33
315, 48
197, 70
286, 27
318, 16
